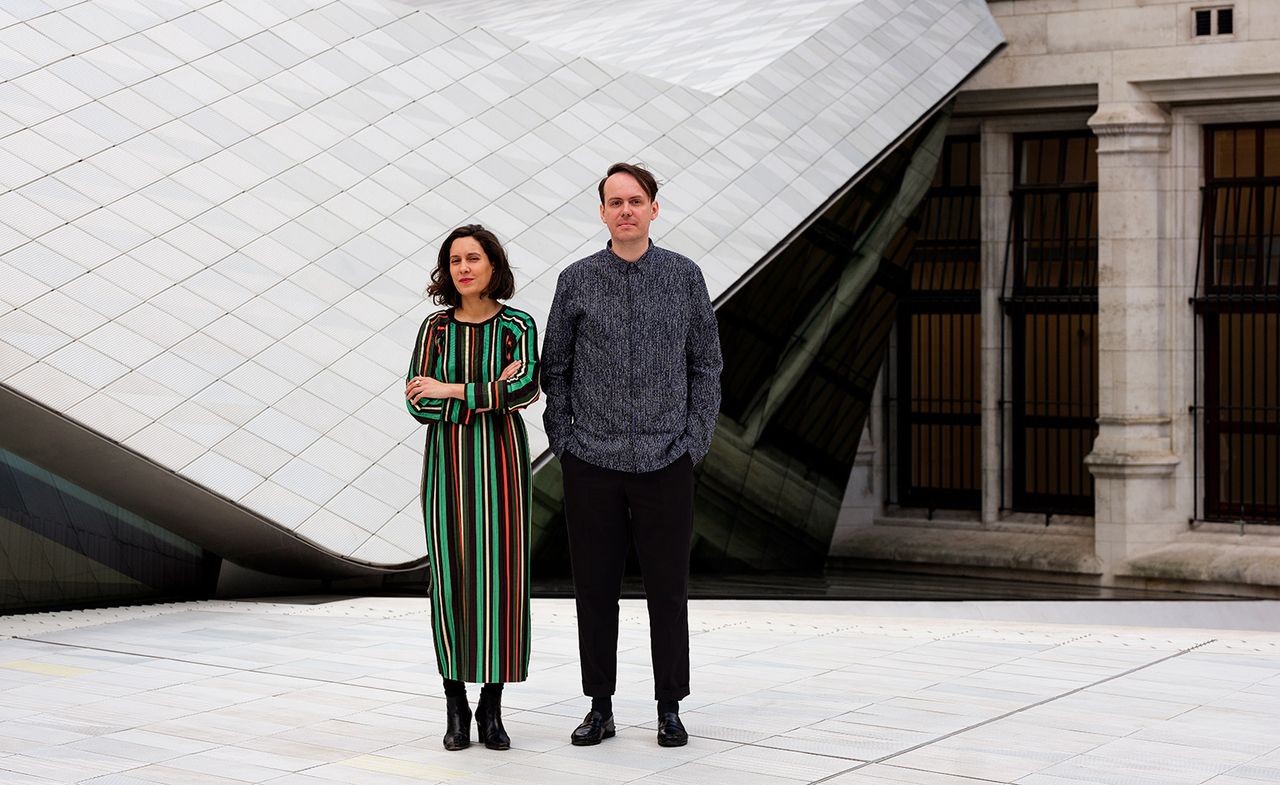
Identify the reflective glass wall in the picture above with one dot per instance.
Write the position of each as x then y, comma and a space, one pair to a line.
62, 547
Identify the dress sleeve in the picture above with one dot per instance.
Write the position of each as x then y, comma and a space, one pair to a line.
426, 362
520, 390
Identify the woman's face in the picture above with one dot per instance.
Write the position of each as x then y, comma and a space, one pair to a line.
469, 267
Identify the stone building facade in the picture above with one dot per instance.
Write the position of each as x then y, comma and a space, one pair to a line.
1115, 417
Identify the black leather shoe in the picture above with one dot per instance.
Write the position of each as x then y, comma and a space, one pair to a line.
457, 733
489, 724
671, 732
595, 728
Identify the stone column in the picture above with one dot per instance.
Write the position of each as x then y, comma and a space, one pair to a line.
997, 182
1133, 459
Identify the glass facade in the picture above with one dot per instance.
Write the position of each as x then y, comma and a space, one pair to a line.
62, 547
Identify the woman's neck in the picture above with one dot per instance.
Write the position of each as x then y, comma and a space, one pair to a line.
476, 309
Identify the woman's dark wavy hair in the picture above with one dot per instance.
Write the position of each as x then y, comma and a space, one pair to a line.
501, 286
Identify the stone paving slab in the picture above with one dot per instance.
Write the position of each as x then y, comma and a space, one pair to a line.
305, 693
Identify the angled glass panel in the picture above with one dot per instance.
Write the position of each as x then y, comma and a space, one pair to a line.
63, 547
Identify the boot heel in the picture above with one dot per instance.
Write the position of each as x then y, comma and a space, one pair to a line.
457, 734
489, 728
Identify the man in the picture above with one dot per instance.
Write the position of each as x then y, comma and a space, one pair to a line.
631, 368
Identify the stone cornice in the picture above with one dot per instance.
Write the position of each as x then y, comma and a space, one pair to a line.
1215, 89
1026, 99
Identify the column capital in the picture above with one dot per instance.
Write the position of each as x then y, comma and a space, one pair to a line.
1132, 445
1131, 126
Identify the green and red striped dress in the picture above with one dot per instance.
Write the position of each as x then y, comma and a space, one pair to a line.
475, 492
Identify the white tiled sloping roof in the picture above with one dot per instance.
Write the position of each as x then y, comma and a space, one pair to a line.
217, 217
705, 46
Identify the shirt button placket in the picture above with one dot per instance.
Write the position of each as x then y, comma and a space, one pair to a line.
632, 348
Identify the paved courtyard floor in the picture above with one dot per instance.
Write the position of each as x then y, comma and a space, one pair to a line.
306, 692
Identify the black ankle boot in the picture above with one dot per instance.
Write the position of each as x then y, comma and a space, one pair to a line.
457, 733
489, 721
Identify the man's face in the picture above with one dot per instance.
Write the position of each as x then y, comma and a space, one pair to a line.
627, 209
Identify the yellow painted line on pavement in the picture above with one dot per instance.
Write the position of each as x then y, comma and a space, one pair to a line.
45, 668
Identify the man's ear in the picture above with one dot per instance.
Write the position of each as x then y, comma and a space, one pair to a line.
602, 220
655, 210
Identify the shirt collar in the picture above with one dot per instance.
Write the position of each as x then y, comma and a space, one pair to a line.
622, 265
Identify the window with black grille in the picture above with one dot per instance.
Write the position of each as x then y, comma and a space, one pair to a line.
1239, 306
1213, 21
937, 389
1052, 308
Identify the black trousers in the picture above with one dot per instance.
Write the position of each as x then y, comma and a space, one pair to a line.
606, 510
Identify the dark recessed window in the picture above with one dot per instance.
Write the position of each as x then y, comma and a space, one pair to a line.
1204, 22
1213, 21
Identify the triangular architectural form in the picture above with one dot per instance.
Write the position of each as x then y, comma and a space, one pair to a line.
217, 218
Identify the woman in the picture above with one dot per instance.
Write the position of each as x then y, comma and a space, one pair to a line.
474, 365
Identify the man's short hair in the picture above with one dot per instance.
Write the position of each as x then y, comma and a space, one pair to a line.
643, 176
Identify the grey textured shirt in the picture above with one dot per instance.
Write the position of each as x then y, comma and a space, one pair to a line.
631, 361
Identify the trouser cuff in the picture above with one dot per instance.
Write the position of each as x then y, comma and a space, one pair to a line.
679, 693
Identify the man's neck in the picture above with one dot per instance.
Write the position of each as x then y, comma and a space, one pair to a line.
630, 251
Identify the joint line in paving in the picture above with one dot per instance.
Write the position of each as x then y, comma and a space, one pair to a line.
1012, 712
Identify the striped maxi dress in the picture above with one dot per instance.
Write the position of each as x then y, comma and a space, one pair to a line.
475, 492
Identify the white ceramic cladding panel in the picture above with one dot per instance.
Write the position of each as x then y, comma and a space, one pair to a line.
217, 218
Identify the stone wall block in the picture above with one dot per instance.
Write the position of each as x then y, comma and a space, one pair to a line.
1119, 28
1129, 261
1026, 34
1192, 60
1144, 390
1031, 7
